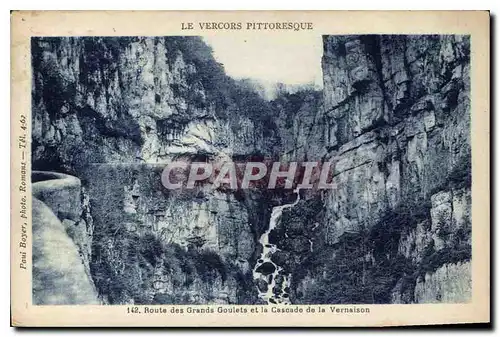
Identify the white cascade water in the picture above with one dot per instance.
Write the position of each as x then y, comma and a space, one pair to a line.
264, 265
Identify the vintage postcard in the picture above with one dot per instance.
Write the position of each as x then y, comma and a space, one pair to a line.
251, 169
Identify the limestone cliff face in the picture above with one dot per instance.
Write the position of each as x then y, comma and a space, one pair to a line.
209, 238
397, 126
447, 284
104, 109
135, 100
393, 119
399, 118
299, 121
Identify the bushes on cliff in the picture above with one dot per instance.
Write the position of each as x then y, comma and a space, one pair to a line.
228, 96
125, 269
362, 267
460, 176
348, 274
291, 103
432, 259
209, 264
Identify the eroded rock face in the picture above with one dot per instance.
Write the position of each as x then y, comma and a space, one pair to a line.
393, 119
102, 107
192, 246
451, 283
137, 99
400, 128
397, 130
205, 217
300, 126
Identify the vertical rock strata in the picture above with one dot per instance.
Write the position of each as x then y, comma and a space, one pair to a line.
397, 225
113, 112
393, 118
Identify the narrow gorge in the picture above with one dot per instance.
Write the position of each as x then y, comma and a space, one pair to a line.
393, 119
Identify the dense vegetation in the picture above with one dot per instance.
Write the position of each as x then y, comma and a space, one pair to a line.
365, 267
230, 97
362, 267
125, 270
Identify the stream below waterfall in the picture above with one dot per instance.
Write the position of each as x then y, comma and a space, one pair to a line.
273, 284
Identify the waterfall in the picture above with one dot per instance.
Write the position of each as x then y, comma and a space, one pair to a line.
266, 271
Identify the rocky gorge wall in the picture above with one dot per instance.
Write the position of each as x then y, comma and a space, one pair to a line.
138, 99
167, 246
397, 225
393, 118
106, 110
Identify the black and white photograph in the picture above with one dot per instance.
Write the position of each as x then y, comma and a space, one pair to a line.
389, 113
